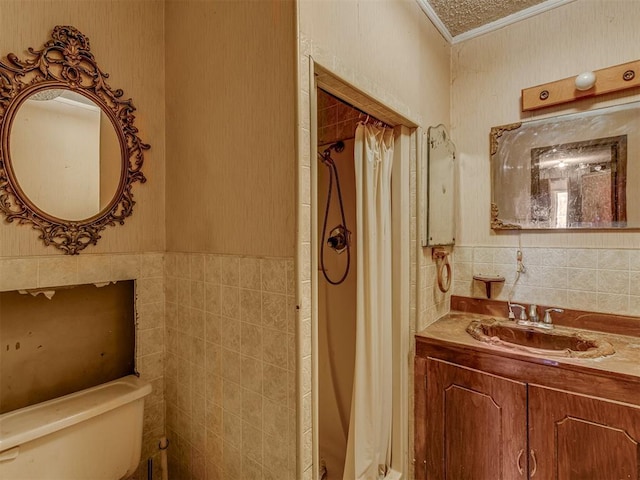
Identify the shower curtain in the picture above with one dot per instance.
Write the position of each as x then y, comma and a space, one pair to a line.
369, 443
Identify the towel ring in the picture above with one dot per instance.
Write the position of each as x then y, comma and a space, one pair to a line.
444, 281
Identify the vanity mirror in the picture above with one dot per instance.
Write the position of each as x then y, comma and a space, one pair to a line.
567, 172
69, 151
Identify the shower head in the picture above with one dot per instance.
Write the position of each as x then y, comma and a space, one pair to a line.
338, 146
326, 155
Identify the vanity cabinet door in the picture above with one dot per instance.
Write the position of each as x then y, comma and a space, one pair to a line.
476, 425
577, 437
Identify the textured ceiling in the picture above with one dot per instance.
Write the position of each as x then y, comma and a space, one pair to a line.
460, 16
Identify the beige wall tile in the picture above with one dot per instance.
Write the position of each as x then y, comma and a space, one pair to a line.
231, 366
274, 314
183, 265
613, 303
18, 273
232, 429
230, 302
231, 334
582, 279
251, 306
250, 273
231, 462
197, 268
213, 328
212, 298
251, 470
251, 342
252, 411
124, 267
151, 265
252, 375
613, 281
230, 271
634, 283
582, 258
212, 269
150, 290
150, 315
94, 269
197, 295
613, 259
274, 275
274, 349
58, 271
231, 397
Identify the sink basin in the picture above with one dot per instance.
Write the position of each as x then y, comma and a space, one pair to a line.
544, 342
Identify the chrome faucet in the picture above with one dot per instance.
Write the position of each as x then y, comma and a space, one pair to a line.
533, 313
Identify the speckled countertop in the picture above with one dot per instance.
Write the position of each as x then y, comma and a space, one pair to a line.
451, 328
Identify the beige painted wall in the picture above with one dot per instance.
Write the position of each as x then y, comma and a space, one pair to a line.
127, 39
488, 73
230, 118
388, 49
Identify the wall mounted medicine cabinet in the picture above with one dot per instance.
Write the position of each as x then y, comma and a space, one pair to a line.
439, 179
567, 172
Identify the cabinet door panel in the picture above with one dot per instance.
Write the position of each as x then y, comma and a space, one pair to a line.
476, 424
578, 437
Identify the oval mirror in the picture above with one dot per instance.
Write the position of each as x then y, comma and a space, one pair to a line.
65, 154
69, 149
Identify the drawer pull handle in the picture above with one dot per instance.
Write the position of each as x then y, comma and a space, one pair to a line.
535, 463
520, 469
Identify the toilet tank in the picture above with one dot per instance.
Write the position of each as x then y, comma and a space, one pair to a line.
91, 434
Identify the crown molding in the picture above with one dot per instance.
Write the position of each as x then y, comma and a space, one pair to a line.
489, 27
428, 10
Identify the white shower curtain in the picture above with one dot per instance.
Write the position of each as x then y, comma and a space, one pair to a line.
369, 443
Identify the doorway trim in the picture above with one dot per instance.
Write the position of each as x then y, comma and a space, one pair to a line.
405, 134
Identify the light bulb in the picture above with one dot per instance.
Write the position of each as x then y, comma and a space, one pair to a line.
585, 81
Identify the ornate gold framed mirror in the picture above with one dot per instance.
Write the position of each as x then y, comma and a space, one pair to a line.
69, 150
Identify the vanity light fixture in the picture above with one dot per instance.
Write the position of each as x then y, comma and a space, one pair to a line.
587, 84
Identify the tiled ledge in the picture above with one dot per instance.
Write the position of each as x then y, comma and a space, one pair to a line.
18, 273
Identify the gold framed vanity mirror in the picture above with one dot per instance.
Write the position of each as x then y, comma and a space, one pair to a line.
567, 172
69, 150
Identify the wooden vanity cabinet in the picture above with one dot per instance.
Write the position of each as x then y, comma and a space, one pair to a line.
480, 419
577, 437
476, 427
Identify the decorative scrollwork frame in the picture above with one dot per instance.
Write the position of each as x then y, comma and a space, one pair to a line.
65, 62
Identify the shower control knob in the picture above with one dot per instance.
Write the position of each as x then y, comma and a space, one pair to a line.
339, 239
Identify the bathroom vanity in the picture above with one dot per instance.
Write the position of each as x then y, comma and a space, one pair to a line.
491, 411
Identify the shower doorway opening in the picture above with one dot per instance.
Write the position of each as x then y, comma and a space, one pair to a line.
334, 275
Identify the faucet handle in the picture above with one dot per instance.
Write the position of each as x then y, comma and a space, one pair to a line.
523, 312
547, 314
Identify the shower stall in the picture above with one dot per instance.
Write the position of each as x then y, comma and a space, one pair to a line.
336, 302
355, 340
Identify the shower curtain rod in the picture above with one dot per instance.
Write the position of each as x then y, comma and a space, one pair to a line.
372, 120
369, 118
